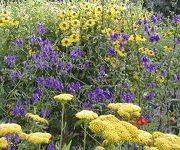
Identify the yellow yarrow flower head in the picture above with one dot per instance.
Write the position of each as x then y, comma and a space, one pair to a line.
23, 136
64, 25
3, 142
86, 114
9, 128
63, 97
99, 148
36, 118
39, 138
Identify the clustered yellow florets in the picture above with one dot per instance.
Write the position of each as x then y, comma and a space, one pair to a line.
63, 97
164, 141
9, 128
112, 129
36, 118
38, 138
86, 114
126, 109
99, 148
3, 142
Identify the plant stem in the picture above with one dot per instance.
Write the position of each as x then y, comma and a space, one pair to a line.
62, 123
85, 134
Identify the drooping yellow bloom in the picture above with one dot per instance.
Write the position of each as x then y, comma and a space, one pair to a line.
64, 25
99, 148
66, 42
3, 142
86, 114
63, 97
39, 138
36, 118
126, 109
9, 128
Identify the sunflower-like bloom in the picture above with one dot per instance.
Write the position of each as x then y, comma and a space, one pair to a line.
112, 129
150, 148
86, 114
63, 97
99, 148
64, 25
9, 128
126, 109
39, 138
143, 137
36, 118
166, 141
3, 142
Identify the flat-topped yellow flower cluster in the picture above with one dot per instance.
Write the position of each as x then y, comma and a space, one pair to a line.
86, 114
63, 97
36, 118
128, 110
3, 142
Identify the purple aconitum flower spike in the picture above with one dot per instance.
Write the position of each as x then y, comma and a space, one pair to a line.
10, 60
36, 95
178, 41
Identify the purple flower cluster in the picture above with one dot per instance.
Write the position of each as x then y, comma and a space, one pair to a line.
76, 53
50, 83
111, 51
144, 59
74, 87
84, 65
178, 41
176, 77
86, 104
44, 112
176, 18
65, 67
155, 19
10, 60
127, 97
19, 42
12, 138
151, 84
16, 74
150, 95
100, 95
47, 58
36, 95
40, 28
114, 36
19, 109
51, 147
154, 38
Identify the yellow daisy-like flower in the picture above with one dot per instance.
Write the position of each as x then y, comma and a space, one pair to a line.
64, 25
66, 42
121, 52
75, 23
75, 37
61, 14
1, 22
98, 10
36, 118
3, 142
5, 13
39, 138
167, 48
63, 97
150, 53
9, 128
90, 23
86, 114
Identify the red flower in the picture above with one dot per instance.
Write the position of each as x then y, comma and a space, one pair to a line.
141, 122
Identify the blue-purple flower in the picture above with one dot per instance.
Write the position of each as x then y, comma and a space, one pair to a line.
111, 51
40, 28
76, 53
36, 95
154, 38
74, 87
127, 97
19, 42
10, 60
